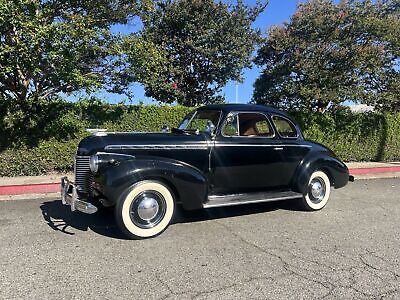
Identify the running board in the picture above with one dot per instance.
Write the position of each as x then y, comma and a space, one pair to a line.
238, 199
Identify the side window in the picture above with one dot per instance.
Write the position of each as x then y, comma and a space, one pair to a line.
248, 125
285, 128
254, 125
231, 126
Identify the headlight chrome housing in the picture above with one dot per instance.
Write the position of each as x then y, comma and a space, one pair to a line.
94, 163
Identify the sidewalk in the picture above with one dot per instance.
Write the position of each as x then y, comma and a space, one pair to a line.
15, 187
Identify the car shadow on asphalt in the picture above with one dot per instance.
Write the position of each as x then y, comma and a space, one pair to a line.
60, 218
182, 216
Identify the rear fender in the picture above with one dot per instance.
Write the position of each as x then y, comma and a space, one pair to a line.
188, 184
335, 169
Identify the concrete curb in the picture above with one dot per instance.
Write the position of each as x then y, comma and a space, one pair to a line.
51, 184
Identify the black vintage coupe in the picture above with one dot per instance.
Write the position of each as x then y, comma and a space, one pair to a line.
220, 155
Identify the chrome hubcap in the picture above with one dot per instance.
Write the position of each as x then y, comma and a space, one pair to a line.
147, 208
317, 190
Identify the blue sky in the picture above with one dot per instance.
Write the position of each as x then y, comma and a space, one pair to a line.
277, 12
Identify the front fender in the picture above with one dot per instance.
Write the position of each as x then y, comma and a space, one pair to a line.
336, 170
188, 184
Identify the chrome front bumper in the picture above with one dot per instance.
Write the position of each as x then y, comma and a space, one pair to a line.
69, 196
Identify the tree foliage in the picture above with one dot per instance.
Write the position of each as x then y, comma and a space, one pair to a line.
189, 49
330, 53
48, 47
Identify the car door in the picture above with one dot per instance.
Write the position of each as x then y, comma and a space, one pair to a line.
292, 147
246, 155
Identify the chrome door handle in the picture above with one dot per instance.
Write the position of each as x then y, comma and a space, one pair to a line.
278, 148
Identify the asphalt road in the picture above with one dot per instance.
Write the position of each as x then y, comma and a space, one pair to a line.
348, 250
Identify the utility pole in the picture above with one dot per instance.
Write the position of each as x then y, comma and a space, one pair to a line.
236, 92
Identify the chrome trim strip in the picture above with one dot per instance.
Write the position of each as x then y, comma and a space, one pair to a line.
194, 146
132, 132
259, 145
156, 147
116, 154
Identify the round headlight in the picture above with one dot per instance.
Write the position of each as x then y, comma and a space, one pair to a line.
94, 163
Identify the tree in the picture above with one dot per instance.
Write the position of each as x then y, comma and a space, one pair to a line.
197, 46
330, 53
48, 47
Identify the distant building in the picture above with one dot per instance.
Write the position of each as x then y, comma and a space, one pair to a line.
361, 108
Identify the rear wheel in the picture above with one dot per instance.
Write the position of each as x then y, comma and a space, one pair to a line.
318, 191
145, 210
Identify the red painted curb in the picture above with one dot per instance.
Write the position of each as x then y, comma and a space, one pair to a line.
40, 188
358, 171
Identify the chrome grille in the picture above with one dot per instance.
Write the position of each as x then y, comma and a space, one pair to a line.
83, 176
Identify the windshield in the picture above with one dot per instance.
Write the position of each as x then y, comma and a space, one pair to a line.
202, 120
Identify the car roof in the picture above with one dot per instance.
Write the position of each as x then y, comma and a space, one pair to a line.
226, 108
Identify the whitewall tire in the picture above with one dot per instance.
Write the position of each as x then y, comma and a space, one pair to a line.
145, 209
317, 192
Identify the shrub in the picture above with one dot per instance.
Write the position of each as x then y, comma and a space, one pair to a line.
48, 145
355, 136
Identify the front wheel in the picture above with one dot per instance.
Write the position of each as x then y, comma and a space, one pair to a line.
317, 193
145, 209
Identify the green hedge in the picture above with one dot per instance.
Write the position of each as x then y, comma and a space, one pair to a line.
355, 136
47, 143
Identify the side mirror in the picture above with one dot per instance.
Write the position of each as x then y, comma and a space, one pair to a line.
165, 129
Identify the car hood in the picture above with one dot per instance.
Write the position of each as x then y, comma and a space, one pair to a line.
120, 142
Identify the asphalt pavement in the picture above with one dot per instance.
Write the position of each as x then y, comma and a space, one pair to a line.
350, 249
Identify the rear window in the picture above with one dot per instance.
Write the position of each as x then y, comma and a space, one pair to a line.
285, 128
